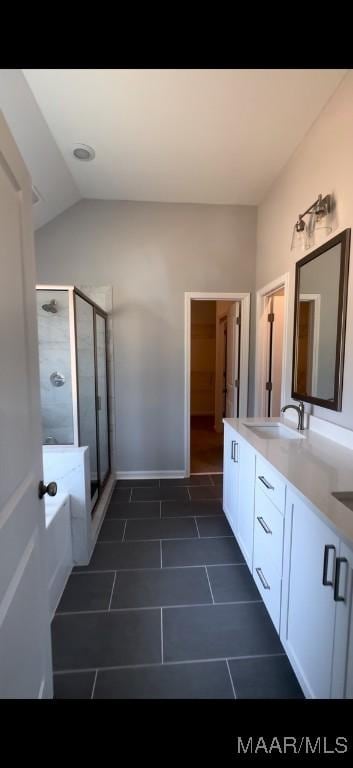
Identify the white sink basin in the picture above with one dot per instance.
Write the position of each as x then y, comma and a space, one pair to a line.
274, 430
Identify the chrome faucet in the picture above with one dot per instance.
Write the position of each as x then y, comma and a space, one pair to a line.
300, 410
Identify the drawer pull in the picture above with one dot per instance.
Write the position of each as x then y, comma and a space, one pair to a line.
262, 578
264, 525
234, 454
336, 595
266, 483
326, 582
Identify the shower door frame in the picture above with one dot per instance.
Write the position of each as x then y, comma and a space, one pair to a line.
72, 290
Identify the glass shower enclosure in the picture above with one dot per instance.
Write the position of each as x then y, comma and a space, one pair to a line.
72, 334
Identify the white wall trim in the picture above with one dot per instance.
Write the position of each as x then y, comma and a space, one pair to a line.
261, 347
149, 474
244, 298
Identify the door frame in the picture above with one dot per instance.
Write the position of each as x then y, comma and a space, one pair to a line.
244, 298
261, 336
314, 298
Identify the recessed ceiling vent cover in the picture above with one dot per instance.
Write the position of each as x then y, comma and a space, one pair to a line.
83, 152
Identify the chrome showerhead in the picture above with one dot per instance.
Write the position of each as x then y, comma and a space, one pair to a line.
51, 307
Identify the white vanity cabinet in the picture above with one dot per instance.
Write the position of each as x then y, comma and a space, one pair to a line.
308, 610
342, 672
245, 506
268, 550
230, 476
238, 489
301, 564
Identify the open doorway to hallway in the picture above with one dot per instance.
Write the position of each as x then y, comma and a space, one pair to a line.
214, 379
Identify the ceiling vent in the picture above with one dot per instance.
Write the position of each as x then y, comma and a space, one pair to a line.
35, 195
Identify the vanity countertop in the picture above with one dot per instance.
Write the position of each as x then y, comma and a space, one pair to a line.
314, 466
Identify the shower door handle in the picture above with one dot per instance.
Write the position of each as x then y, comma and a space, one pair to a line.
51, 489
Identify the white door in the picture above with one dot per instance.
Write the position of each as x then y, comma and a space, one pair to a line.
274, 354
277, 353
25, 649
309, 605
233, 359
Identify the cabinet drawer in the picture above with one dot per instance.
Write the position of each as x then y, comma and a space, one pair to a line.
271, 483
268, 531
268, 582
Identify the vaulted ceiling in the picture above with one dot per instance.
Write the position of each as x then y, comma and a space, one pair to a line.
166, 135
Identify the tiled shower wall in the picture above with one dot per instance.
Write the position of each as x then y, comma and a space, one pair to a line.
54, 357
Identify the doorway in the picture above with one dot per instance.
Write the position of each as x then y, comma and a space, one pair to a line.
216, 374
272, 307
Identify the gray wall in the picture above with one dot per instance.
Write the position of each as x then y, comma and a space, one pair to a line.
151, 254
323, 163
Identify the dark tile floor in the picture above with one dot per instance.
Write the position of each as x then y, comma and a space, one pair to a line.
166, 607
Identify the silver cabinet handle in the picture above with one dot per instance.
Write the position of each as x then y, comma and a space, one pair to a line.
262, 578
325, 580
234, 453
266, 483
336, 592
264, 525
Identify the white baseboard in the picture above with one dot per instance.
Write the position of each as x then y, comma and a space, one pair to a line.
150, 474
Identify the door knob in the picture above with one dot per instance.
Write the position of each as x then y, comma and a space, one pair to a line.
50, 489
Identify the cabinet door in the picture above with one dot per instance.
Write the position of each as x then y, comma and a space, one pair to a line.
308, 615
246, 495
230, 476
342, 676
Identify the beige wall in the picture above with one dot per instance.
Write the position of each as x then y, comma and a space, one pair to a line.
323, 163
203, 356
151, 254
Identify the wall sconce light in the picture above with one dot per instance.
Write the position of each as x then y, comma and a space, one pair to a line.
304, 233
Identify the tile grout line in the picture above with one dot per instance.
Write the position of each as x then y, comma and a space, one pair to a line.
209, 584
197, 528
152, 567
162, 652
131, 489
157, 607
94, 683
231, 679
188, 490
111, 594
170, 538
160, 510
161, 553
107, 542
156, 568
166, 517
169, 663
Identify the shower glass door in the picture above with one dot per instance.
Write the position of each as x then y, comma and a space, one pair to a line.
86, 385
102, 398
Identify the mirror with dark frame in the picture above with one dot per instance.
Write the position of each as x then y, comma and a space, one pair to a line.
321, 286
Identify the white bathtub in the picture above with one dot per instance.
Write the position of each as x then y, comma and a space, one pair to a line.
59, 546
